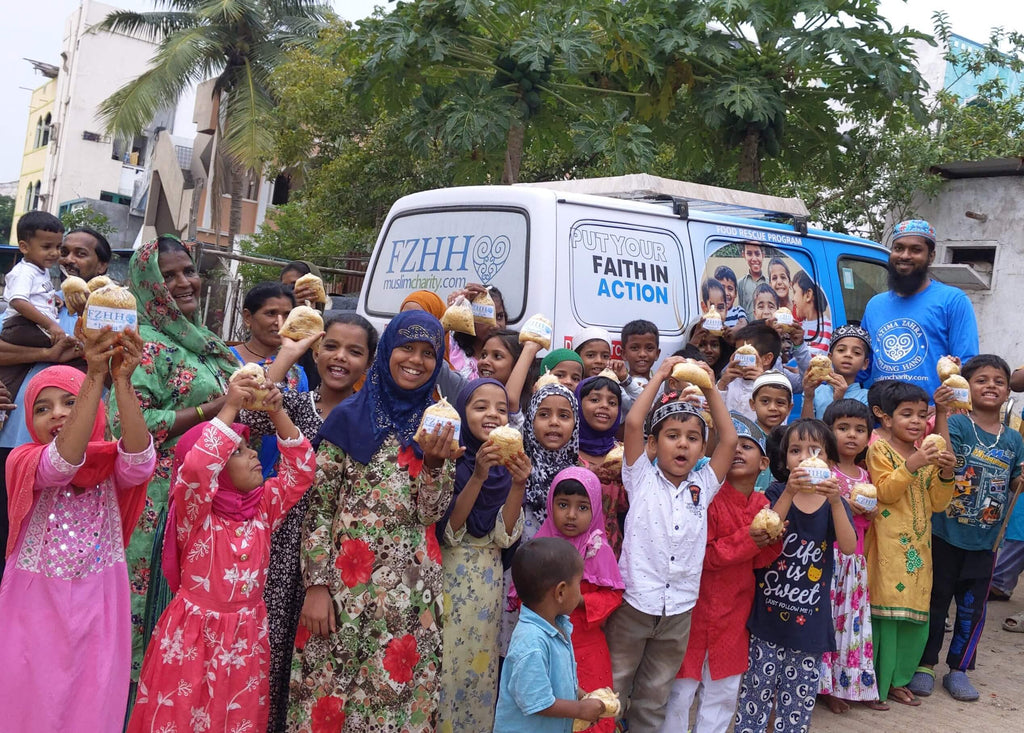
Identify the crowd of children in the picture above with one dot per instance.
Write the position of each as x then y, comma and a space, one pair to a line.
618, 553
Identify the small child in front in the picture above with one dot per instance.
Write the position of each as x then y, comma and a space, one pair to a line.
791, 622
538, 692
716, 655
664, 541
209, 652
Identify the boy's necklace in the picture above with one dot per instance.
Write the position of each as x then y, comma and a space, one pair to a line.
977, 437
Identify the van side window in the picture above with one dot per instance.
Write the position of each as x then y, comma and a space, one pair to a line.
860, 280
748, 280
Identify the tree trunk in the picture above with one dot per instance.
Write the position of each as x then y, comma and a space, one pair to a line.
235, 215
750, 158
514, 152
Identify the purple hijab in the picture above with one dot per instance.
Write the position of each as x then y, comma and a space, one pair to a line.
496, 486
593, 442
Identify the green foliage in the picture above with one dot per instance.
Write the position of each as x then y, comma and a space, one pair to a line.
86, 216
6, 217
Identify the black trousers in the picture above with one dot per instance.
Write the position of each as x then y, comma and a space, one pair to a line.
964, 575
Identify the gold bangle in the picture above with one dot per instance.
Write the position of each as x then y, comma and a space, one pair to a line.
199, 411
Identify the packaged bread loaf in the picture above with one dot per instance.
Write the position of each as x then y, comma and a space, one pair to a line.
934, 439
946, 366
695, 396
817, 469
439, 414
262, 390
309, 280
689, 371
961, 392
784, 317
484, 310
769, 521
112, 306
745, 356
100, 281
545, 379
712, 322
609, 374
459, 317
76, 293
614, 456
612, 707
538, 330
864, 495
302, 323
509, 442
820, 368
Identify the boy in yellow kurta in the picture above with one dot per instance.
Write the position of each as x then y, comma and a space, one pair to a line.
912, 483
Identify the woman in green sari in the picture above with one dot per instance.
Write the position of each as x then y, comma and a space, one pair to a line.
180, 381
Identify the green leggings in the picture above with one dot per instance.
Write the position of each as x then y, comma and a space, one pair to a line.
898, 648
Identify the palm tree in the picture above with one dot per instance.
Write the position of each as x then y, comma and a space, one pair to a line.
238, 43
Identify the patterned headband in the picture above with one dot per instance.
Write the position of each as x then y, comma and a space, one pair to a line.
670, 406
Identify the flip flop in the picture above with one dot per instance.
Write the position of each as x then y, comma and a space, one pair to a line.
876, 705
1015, 623
904, 697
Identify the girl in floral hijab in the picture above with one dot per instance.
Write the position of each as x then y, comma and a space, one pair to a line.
180, 382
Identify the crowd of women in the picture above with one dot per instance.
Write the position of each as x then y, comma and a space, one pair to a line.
197, 552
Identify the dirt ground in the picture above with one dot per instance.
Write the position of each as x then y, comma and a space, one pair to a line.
999, 678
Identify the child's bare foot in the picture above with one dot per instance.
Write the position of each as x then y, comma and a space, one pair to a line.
835, 704
876, 705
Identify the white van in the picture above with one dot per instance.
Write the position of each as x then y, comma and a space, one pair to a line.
603, 252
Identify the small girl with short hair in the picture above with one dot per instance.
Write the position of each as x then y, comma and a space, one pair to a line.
791, 623
575, 514
209, 656
849, 672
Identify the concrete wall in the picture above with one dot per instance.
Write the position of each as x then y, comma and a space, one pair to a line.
1001, 201
33, 162
95, 64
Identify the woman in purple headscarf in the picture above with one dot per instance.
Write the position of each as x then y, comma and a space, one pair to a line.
485, 517
600, 405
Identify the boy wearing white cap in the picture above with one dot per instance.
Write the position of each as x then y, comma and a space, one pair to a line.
594, 345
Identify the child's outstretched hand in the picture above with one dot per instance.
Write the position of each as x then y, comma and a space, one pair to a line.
300, 347
944, 397
665, 370
487, 458
520, 467
127, 356
799, 481
437, 446
274, 401
241, 392
99, 348
829, 488
619, 367
590, 709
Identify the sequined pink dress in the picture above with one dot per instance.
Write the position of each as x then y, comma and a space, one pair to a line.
65, 614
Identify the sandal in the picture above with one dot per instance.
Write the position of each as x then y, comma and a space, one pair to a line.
1015, 623
876, 705
904, 697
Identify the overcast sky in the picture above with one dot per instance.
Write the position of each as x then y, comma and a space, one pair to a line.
35, 32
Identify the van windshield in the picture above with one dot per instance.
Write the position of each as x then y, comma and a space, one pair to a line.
442, 250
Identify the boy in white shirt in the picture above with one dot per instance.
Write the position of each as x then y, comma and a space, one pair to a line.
31, 317
737, 381
665, 537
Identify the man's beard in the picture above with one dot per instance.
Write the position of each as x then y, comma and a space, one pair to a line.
906, 284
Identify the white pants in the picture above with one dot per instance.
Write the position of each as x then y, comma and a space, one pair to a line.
716, 708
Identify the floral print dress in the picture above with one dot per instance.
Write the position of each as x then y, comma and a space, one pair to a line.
849, 672
473, 601
368, 537
206, 665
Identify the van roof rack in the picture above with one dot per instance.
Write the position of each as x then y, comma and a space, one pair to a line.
710, 199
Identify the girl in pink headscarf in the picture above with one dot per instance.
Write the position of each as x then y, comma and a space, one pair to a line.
74, 498
207, 662
575, 514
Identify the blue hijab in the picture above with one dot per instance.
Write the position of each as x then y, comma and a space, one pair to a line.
361, 424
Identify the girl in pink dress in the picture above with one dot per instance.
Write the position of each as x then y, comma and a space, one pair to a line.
206, 666
66, 639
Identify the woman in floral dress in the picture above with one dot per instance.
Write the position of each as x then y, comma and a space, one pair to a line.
370, 559
180, 383
346, 348
486, 516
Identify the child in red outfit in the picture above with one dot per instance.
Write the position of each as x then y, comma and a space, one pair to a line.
575, 514
717, 653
